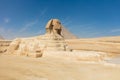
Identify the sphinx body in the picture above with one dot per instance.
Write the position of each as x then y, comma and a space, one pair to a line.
52, 40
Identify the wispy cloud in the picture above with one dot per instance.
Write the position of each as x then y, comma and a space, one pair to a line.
39, 32
28, 25
67, 21
32, 23
115, 30
42, 13
6, 20
24, 31
6, 33
11, 33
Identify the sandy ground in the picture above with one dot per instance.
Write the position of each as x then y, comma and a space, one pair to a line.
54, 68
13, 67
103, 44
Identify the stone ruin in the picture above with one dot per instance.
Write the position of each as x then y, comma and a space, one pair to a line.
4, 44
52, 40
52, 44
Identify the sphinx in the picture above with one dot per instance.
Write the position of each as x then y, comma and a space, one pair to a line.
52, 40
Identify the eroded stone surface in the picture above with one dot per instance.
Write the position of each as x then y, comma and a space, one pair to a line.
52, 40
4, 44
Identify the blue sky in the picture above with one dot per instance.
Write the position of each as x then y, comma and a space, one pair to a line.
84, 18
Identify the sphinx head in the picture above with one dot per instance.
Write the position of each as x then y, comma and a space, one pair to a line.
54, 27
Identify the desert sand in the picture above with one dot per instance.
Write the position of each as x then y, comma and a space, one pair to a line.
102, 44
52, 57
14, 67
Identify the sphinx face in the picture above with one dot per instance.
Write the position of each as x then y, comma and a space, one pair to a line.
54, 27
56, 24
57, 27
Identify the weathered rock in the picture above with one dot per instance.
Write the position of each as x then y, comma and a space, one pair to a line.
54, 37
35, 46
54, 27
28, 47
4, 44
